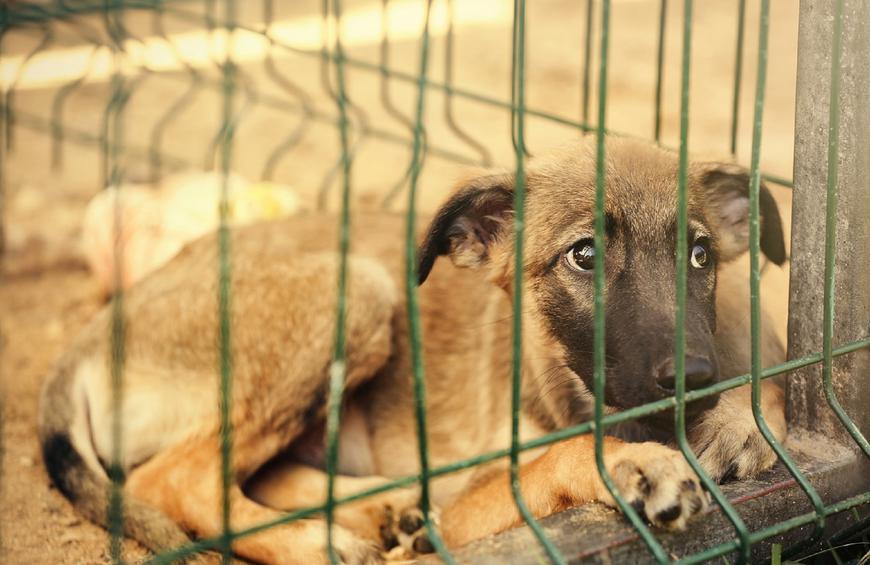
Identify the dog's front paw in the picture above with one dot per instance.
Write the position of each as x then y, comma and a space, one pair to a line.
404, 533
727, 440
731, 448
657, 481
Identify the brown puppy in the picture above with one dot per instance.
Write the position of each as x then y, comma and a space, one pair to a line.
283, 304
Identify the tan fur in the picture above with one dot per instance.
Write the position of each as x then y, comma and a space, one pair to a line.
566, 475
283, 322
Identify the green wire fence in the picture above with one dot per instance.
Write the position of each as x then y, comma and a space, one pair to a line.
355, 126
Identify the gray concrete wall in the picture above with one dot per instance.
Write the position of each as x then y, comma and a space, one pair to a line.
806, 402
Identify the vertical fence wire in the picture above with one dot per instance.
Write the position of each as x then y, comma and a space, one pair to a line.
338, 368
587, 62
738, 73
411, 278
224, 284
112, 151
348, 107
449, 116
681, 273
248, 101
62, 95
112, 140
216, 25
518, 59
660, 67
518, 119
9, 104
4, 14
117, 335
599, 358
4, 125
755, 278
178, 105
290, 88
386, 98
831, 232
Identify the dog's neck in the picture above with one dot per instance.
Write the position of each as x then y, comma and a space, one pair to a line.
553, 394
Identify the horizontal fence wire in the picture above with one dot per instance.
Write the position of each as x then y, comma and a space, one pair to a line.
116, 153
179, 9
607, 421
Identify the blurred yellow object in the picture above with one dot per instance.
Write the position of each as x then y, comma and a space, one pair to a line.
263, 201
154, 223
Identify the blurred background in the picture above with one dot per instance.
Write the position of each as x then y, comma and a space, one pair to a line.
58, 75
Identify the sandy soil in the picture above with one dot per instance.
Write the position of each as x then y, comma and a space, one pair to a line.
46, 294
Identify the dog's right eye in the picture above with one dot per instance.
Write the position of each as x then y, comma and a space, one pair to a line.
581, 257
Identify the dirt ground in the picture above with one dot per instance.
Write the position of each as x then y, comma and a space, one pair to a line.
46, 293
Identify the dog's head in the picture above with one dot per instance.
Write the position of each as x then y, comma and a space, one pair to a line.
475, 228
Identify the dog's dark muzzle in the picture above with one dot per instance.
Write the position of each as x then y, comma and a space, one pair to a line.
700, 372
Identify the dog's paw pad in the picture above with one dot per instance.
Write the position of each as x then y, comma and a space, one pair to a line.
404, 535
411, 521
669, 514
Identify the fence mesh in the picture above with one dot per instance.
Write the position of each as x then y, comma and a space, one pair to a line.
355, 127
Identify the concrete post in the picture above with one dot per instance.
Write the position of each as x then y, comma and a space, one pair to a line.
807, 407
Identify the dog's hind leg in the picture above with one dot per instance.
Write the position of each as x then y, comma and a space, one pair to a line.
275, 399
185, 483
289, 485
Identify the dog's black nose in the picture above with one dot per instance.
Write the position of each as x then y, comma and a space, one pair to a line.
699, 373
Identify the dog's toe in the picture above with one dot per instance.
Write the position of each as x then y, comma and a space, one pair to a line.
657, 482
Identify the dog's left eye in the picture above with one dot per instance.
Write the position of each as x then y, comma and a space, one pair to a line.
700, 257
581, 257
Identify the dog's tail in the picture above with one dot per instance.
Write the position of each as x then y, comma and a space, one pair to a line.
73, 464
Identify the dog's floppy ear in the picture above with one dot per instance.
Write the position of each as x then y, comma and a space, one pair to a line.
727, 188
466, 227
